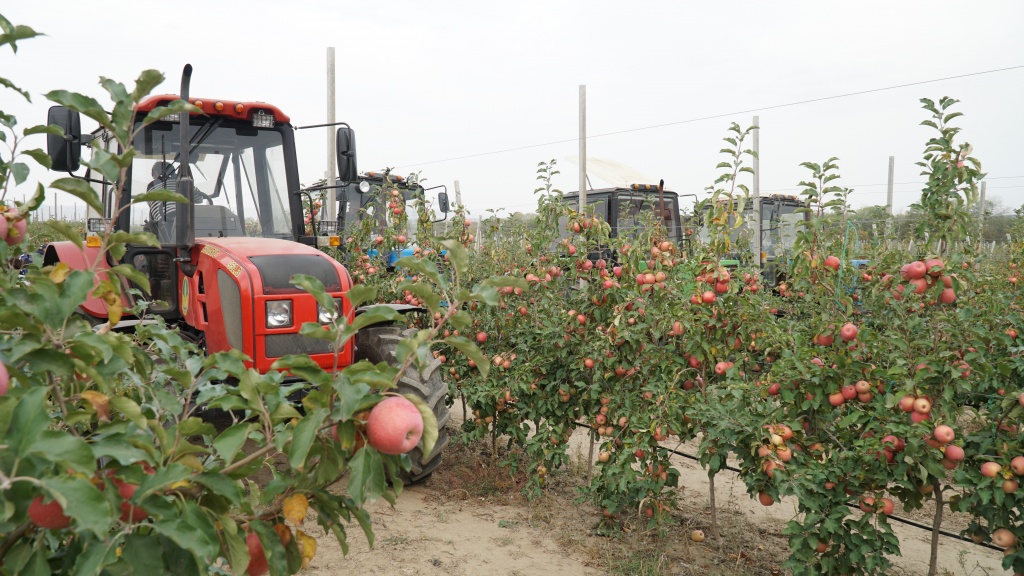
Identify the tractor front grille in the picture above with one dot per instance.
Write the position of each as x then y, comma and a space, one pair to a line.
278, 345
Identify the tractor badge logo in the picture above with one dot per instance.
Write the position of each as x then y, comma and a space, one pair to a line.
184, 296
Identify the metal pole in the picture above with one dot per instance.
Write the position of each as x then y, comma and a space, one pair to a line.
583, 147
981, 212
332, 152
458, 194
756, 224
892, 172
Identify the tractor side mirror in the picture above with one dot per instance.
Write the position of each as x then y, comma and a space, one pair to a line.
65, 151
346, 149
442, 202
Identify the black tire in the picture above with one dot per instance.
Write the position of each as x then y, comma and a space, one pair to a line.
379, 344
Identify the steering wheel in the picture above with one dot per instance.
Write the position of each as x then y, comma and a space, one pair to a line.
200, 195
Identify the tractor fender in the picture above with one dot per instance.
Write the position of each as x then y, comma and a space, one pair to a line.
80, 258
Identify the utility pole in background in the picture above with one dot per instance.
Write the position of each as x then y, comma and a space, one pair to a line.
332, 152
892, 172
756, 226
583, 147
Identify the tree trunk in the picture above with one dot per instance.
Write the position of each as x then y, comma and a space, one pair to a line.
714, 511
933, 562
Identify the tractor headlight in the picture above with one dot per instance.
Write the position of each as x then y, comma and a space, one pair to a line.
279, 313
328, 316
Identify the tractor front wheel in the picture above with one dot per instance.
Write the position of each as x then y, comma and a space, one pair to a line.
380, 344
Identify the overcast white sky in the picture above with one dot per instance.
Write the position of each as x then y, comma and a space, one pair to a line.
442, 87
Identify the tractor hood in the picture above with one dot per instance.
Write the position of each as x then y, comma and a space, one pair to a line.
278, 260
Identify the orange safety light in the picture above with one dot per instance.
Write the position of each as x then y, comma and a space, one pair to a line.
198, 103
218, 106
239, 108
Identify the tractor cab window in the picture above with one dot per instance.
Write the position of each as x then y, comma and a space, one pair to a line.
638, 212
239, 176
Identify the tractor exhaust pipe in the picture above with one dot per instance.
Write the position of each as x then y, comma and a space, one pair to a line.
185, 215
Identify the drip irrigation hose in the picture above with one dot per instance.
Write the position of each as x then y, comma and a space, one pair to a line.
908, 522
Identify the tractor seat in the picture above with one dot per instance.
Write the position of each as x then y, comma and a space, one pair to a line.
217, 222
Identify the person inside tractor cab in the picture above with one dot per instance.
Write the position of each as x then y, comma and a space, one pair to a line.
161, 213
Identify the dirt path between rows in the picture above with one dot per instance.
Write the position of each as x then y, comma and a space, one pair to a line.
435, 530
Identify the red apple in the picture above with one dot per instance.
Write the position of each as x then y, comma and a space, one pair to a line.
862, 387
934, 267
914, 270
832, 262
849, 392
954, 453
17, 232
481, 337
907, 403
991, 469
948, 296
394, 426
836, 399
257, 559
129, 512
1017, 465
848, 332
1003, 538
5, 377
708, 297
944, 434
49, 516
922, 406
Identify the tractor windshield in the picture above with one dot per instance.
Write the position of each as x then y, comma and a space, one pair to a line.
239, 175
637, 211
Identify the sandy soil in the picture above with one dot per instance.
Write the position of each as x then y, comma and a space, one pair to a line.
433, 531
424, 536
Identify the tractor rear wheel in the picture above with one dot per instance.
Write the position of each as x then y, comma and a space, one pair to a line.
380, 344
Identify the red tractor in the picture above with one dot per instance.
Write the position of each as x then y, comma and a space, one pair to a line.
222, 271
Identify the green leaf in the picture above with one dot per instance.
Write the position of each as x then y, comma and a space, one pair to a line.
130, 410
375, 315
29, 421
83, 502
430, 432
81, 103
462, 344
159, 196
41, 158
79, 189
192, 530
361, 293
175, 107
64, 449
20, 172
276, 555
134, 275
144, 84
366, 476
44, 129
65, 231
8, 84
162, 478
143, 553
303, 437
351, 399
457, 256
230, 441
315, 287
134, 238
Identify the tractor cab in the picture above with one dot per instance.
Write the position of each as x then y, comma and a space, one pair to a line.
374, 195
780, 217
223, 267
629, 210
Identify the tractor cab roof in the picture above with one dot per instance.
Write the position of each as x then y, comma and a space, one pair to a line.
632, 189
228, 108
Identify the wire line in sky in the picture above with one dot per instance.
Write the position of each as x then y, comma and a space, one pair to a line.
703, 118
